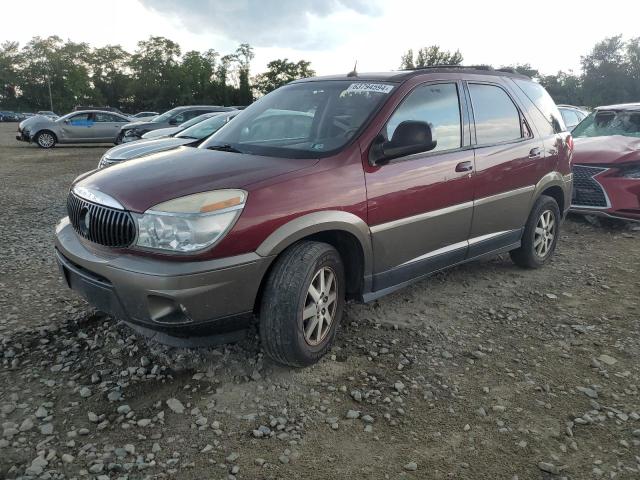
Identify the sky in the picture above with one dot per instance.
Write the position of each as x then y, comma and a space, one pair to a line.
550, 35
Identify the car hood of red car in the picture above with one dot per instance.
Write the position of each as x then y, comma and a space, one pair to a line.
141, 183
606, 150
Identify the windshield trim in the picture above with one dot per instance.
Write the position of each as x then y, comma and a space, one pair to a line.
289, 153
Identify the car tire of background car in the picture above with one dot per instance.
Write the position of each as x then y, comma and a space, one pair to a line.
302, 304
45, 139
540, 235
119, 138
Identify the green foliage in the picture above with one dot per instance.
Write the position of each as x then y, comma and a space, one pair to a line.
429, 56
157, 76
280, 72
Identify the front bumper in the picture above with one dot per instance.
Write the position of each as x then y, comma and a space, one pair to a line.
23, 136
181, 298
600, 190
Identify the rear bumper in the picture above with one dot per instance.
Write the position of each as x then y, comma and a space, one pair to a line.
181, 298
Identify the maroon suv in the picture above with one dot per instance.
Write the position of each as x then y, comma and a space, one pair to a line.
326, 190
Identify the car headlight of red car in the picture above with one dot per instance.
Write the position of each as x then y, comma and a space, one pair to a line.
191, 223
631, 172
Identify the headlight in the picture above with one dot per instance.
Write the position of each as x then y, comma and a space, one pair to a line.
131, 133
190, 223
631, 172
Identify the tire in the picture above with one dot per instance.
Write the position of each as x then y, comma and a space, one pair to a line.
287, 337
540, 235
45, 139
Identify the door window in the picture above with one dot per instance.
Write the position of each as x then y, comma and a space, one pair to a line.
496, 116
439, 106
106, 117
81, 120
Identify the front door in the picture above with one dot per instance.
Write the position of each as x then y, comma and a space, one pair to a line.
78, 127
420, 206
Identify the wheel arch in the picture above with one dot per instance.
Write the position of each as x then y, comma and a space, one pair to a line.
556, 186
346, 232
48, 130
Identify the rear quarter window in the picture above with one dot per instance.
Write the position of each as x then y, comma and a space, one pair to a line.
543, 102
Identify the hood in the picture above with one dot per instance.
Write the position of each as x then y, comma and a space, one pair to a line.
608, 150
127, 151
147, 181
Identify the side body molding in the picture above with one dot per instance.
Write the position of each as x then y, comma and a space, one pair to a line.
318, 222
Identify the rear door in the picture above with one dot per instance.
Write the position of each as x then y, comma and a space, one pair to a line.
420, 206
106, 127
509, 163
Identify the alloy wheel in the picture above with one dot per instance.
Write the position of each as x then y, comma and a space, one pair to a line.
45, 140
320, 306
545, 233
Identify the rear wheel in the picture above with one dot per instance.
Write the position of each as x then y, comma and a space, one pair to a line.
302, 304
540, 234
45, 139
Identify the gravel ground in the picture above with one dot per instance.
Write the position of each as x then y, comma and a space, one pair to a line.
484, 372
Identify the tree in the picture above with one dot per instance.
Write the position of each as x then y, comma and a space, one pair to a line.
606, 70
429, 56
280, 72
9, 58
111, 82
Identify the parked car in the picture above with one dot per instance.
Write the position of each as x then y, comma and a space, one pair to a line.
571, 115
49, 114
6, 116
172, 118
92, 126
144, 116
191, 136
167, 132
606, 163
368, 184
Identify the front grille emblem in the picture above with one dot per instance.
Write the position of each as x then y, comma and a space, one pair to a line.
85, 220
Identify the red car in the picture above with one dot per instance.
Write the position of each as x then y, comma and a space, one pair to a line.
325, 190
606, 163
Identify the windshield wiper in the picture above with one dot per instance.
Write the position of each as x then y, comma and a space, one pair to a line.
225, 148
187, 137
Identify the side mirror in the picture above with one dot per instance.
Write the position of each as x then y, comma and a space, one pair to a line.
410, 137
67, 121
173, 121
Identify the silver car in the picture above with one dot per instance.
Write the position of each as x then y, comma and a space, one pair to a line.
191, 136
87, 126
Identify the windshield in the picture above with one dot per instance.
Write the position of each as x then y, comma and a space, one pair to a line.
603, 123
205, 128
303, 120
194, 120
166, 116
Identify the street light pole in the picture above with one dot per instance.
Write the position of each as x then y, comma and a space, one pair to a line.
50, 97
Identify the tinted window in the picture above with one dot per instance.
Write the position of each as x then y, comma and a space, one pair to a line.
81, 119
497, 118
543, 102
438, 105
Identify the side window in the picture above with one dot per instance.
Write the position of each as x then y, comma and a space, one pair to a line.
570, 117
439, 106
180, 118
543, 102
106, 117
80, 119
497, 118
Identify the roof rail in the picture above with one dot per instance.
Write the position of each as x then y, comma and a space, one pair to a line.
474, 67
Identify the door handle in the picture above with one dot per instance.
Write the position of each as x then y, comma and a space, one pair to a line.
535, 152
464, 167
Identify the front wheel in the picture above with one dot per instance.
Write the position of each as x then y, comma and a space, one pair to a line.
540, 235
302, 304
45, 139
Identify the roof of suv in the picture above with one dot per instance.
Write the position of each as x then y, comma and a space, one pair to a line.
402, 75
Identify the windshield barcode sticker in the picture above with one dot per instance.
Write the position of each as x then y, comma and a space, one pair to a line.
369, 87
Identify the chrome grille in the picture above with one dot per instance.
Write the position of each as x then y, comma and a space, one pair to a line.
99, 224
587, 192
